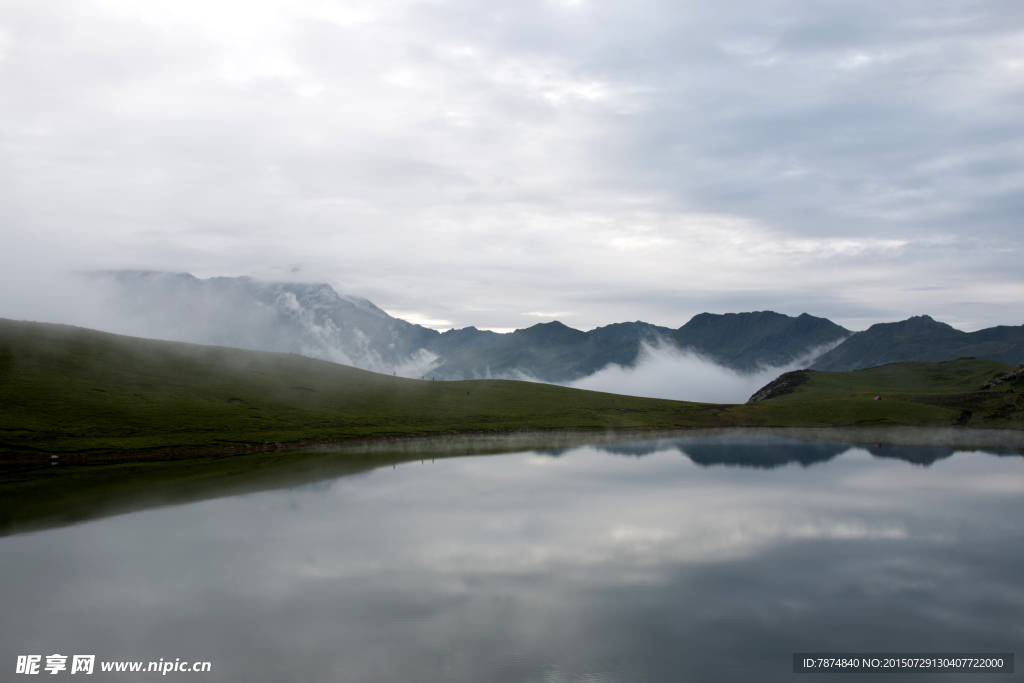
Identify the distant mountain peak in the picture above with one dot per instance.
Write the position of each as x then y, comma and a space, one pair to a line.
751, 340
922, 338
314, 319
918, 324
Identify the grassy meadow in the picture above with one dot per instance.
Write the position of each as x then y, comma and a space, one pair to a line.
912, 394
72, 391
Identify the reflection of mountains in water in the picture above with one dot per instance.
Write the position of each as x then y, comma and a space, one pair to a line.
767, 452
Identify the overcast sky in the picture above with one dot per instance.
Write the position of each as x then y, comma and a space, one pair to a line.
503, 163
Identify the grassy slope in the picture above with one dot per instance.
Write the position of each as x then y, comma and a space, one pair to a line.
66, 389
923, 394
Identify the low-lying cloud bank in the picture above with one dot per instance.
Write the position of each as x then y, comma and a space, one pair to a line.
666, 372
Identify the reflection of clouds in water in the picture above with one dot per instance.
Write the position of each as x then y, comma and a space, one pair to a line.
591, 512
964, 471
546, 459
681, 519
489, 560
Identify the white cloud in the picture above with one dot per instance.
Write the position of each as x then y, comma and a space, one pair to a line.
420, 319
666, 372
470, 161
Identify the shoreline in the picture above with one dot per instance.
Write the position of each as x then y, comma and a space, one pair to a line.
905, 435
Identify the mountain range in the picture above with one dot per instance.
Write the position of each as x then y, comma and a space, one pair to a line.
554, 352
315, 320
922, 339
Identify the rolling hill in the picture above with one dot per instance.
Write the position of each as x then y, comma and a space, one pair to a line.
70, 391
963, 392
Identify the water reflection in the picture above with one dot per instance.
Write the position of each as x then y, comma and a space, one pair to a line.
762, 451
528, 567
767, 451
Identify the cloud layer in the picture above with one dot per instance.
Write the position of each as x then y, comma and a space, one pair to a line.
665, 372
480, 163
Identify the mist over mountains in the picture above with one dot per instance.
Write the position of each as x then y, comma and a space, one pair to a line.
309, 319
712, 357
742, 342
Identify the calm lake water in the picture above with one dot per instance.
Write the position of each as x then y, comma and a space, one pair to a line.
700, 558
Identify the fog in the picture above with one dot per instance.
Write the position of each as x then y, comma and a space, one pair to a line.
310, 319
666, 372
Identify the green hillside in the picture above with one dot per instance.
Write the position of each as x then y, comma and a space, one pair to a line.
66, 389
922, 394
87, 394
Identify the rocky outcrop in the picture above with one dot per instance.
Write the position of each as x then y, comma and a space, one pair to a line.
781, 385
1005, 377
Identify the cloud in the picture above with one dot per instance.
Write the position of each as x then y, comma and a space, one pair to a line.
667, 372
473, 161
420, 319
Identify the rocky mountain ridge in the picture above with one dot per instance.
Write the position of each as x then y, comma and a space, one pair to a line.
921, 338
315, 320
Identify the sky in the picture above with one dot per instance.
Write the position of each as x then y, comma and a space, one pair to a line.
500, 164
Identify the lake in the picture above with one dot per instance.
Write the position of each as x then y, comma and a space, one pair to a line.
694, 557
